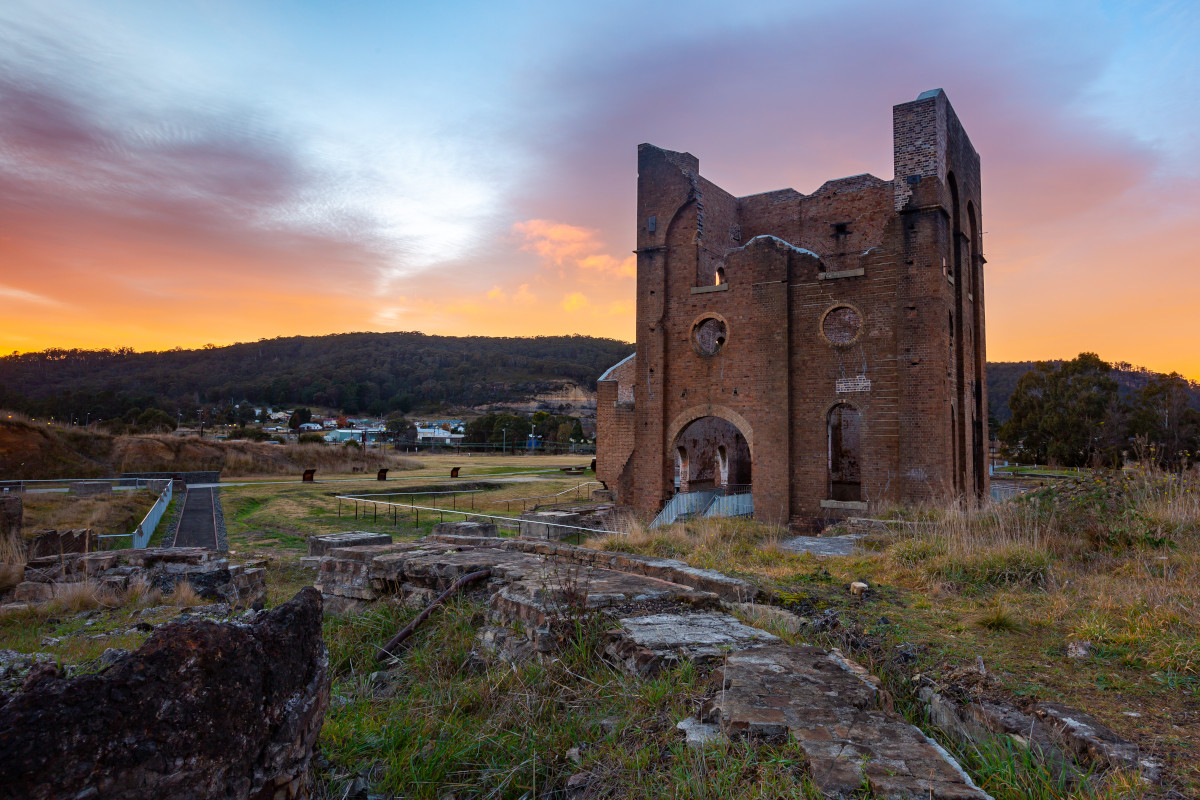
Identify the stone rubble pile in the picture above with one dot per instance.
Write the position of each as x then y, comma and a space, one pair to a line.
209, 573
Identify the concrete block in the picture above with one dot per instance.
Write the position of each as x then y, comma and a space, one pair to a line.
465, 528
549, 525
320, 545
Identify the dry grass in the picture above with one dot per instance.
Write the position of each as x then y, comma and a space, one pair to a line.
1112, 560
13, 551
729, 545
33, 450
1008, 544
240, 459
184, 594
119, 512
71, 598
141, 594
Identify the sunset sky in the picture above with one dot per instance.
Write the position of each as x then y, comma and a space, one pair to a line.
211, 171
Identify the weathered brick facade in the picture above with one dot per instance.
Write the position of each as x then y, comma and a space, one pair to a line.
839, 334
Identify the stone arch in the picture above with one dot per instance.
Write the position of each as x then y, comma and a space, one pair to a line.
690, 415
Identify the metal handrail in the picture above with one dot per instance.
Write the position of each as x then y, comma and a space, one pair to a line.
145, 529
507, 521
523, 500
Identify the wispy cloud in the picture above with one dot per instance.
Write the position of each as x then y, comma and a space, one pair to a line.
22, 296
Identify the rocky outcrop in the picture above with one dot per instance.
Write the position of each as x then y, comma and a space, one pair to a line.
202, 710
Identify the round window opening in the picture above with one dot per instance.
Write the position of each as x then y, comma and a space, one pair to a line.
841, 325
709, 336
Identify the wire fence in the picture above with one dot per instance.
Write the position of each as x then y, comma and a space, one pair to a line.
369, 507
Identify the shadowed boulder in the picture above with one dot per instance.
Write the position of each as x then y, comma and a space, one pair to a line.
201, 710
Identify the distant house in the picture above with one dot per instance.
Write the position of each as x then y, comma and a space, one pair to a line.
310, 426
438, 436
329, 424
346, 435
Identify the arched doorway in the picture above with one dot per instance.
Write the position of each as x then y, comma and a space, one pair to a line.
711, 453
845, 453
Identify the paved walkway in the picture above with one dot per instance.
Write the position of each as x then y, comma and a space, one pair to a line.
201, 523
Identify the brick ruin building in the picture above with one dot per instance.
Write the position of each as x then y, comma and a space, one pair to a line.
810, 353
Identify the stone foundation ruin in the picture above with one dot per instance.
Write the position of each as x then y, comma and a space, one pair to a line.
208, 572
659, 612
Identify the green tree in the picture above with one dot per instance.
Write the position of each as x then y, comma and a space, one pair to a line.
299, 417
399, 428
1066, 414
154, 420
1160, 417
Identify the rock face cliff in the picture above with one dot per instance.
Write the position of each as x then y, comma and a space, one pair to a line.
202, 710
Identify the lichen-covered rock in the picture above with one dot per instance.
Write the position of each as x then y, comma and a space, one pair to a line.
202, 710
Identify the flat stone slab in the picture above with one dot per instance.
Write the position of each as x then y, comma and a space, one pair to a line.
645, 645
831, 708
465, 528
823, 545
320, 545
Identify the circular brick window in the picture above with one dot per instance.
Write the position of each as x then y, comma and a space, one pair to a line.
708, 336
841, 325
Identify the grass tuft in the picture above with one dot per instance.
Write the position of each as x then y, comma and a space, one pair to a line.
999, 617
184, 594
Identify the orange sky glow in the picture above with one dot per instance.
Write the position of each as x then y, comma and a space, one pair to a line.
232, 187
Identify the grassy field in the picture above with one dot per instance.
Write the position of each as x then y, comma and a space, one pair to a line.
434, 465
276, 519
119, 512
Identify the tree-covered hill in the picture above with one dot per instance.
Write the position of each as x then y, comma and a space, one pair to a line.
1002, 377
358, 373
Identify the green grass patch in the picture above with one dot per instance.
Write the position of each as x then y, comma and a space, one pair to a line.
444, 722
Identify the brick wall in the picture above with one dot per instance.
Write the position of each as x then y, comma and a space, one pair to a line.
904, 255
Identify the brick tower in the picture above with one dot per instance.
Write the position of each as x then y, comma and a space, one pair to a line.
816, 352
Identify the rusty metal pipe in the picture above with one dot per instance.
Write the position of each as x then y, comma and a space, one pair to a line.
384, 652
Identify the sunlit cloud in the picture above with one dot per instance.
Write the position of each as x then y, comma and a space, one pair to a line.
570, 245
575, 301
